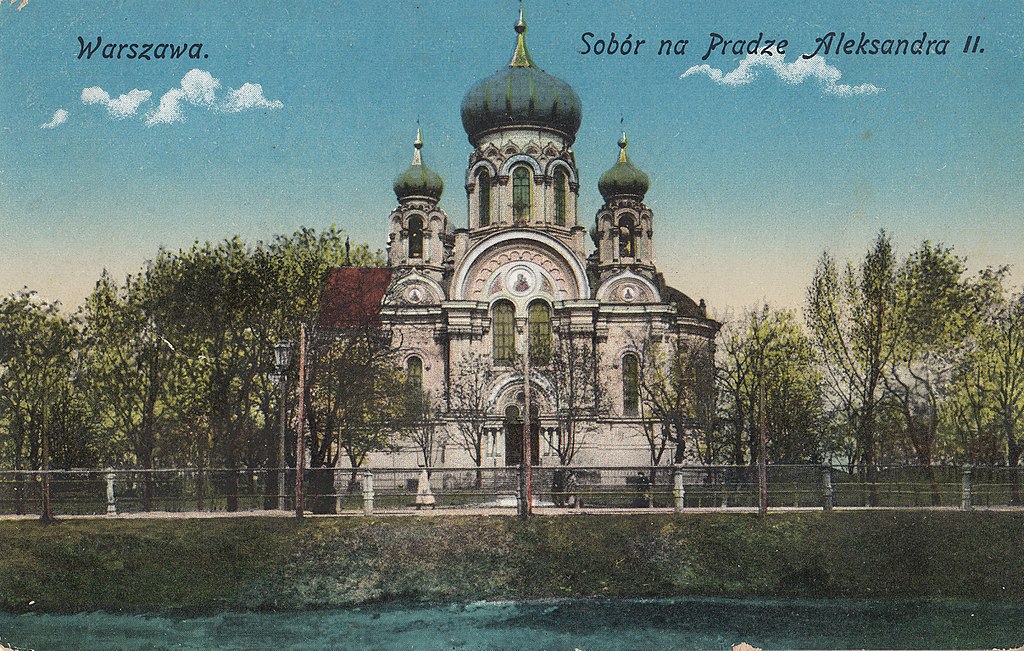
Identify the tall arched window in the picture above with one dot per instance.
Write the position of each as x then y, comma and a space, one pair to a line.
627, 237
540, 333
503, 328
630, 385
521, 192
483, 184
416, 237
414, 371
560, 182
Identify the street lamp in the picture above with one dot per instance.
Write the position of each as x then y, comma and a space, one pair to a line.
282, 360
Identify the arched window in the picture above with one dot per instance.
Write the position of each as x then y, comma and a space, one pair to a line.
627, 237
503, 326
416, 237
540, 333
483, 184
521, 192
414, 372
560, 182
630, 385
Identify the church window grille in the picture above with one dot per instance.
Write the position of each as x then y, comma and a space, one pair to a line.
503, 328
416, 237
540, 333
560, 183
630, 385
414, 371
483, 183
627, 237
521, 193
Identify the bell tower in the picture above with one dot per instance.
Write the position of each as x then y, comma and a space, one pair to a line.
624, 228
418, 227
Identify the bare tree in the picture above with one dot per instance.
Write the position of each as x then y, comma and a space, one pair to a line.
577, 394
470, 406
676, 384
420, 425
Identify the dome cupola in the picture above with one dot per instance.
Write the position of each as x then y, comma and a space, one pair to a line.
624, 178
419, 180
521, 94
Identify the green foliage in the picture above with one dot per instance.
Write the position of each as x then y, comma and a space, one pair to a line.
771, 377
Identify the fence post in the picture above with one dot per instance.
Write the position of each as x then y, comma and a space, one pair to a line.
678, 491
111, 502
828, 494
367, 492
965, 501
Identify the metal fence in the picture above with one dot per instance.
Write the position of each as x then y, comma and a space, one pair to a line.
94, 492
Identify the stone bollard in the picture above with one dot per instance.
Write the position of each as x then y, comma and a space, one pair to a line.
111, 502
965, 501
827, 492
678, 490
367, 492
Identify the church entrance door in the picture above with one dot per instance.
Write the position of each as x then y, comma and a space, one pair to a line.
514, 438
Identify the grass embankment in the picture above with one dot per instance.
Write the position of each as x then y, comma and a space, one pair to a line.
272, 563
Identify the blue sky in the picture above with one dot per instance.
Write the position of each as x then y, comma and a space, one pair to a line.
750, 181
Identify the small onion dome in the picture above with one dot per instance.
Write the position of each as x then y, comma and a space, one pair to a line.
624, 178
419, 180
521, 94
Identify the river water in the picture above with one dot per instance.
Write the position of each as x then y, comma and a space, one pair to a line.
606, 624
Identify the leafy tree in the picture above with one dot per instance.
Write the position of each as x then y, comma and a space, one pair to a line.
128, 371
39, 365
854, 322
769, 375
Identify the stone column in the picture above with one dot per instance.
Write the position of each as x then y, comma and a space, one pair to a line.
367, 492
965, 501
828, 494
111, 502
678, 490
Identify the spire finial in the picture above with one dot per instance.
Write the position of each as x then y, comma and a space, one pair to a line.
521, 57
623, 143
417, 158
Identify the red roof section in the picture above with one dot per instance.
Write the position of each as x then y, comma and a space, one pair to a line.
352, 297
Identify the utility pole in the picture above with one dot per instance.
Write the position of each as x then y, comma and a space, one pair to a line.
762, 454
300, 437
526, 468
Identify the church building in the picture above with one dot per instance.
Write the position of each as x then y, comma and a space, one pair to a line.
516, 289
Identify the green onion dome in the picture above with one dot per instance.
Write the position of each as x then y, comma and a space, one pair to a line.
419, 180
624, 178
521, 94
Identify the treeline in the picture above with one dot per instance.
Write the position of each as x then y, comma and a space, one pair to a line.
894, 360
170, 367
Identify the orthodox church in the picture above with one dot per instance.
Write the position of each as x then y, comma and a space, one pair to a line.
513, 294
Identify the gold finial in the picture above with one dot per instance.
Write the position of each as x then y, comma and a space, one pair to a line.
417, 158
521, 57
623, 143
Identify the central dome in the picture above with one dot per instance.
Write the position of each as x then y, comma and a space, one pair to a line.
521, 94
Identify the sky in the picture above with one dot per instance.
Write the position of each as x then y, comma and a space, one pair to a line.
302, 113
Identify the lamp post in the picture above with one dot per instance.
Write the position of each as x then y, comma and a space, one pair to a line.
282, 360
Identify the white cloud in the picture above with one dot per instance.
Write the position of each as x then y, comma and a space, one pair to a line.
792, 73
60, 116
249, 96
198, 87
124, 106
169, 110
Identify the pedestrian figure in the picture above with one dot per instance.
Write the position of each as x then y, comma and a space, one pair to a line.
423, 495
